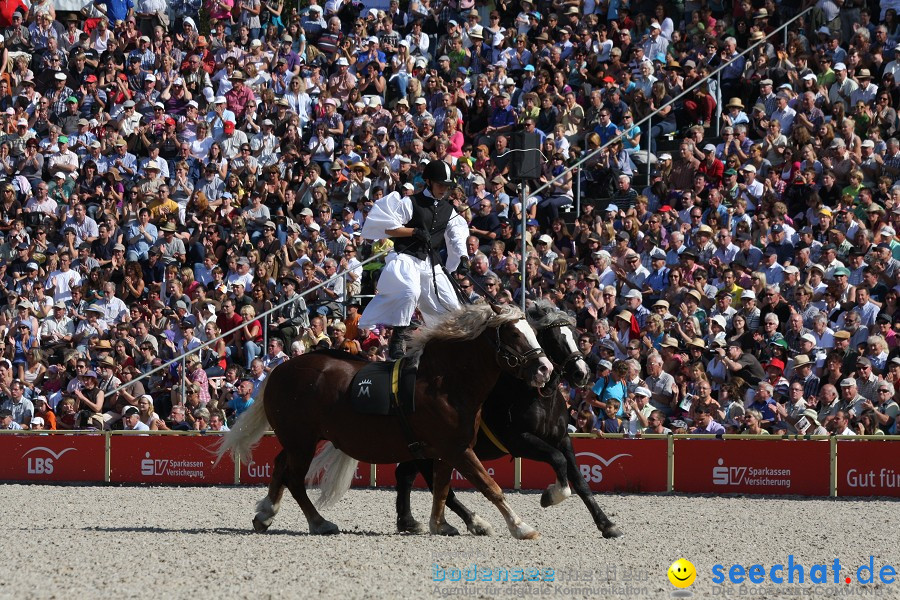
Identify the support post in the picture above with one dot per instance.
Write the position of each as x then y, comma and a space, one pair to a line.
649, 142
524, 243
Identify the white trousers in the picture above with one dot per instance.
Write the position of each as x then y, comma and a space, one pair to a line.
405, 283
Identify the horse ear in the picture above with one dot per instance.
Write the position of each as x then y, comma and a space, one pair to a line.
496, 308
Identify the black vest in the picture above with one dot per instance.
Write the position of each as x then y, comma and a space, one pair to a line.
431, 215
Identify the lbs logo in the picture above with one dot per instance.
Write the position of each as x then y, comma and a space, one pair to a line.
594, 473
42, 465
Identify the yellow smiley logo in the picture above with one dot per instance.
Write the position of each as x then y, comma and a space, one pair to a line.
682, 573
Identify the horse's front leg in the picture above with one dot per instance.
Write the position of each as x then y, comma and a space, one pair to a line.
438, 524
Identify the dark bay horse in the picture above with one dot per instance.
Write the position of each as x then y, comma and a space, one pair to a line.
306, 400
526, 425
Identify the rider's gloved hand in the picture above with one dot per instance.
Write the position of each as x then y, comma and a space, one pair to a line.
463, 268
421, 235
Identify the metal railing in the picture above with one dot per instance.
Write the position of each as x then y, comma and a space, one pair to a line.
263, 317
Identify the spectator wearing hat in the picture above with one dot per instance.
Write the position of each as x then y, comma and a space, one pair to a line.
851, 401
171, 248
92, 327
131, 419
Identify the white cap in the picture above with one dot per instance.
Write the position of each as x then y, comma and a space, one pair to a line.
749, 168
710, 148
665, 156
810, 77
60, 76
342, 62
546, 239
839, 67
150, 77
220, 100
22, 123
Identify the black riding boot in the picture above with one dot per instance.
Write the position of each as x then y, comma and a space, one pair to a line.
397, 344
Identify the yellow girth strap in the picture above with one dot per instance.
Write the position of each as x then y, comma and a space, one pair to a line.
395, 382
490, 435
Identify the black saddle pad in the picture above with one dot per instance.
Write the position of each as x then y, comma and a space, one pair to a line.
375, 386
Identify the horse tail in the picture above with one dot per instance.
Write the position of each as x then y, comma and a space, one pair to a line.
334, 471
247, 430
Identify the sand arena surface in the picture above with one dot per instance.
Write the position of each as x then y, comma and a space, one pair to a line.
167, 542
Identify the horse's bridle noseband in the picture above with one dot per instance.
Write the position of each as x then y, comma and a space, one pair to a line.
558, 370
513, 358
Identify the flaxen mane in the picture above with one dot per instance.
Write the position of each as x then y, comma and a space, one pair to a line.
467, 323
542, 314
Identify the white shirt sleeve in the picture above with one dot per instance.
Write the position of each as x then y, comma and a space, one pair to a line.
455, 237
389, 212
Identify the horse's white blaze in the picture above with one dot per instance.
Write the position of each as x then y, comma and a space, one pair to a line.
527, 332
573, 349
570, 340
545, 366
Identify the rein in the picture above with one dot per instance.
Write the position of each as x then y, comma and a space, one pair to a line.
510, 356
558, 369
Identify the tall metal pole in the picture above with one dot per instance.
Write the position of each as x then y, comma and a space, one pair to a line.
577, 172
524, 244
649, 142
184, 379
719, 102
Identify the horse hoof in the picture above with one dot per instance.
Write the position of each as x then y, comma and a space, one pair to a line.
554, 495
524, 531
324, 528
611, 531
259, 526
412, 527
443, 529
479, 526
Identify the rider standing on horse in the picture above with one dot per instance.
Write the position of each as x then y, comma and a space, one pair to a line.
420, 226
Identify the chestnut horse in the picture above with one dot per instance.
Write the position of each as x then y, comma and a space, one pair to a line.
307, 400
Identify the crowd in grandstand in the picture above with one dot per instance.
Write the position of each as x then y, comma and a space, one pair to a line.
172, 171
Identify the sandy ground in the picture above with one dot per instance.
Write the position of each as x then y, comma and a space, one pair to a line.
105, 542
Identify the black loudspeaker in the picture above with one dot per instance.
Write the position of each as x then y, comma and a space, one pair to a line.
525, 160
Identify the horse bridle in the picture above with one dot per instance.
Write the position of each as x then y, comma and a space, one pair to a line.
512, 357
558, 370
